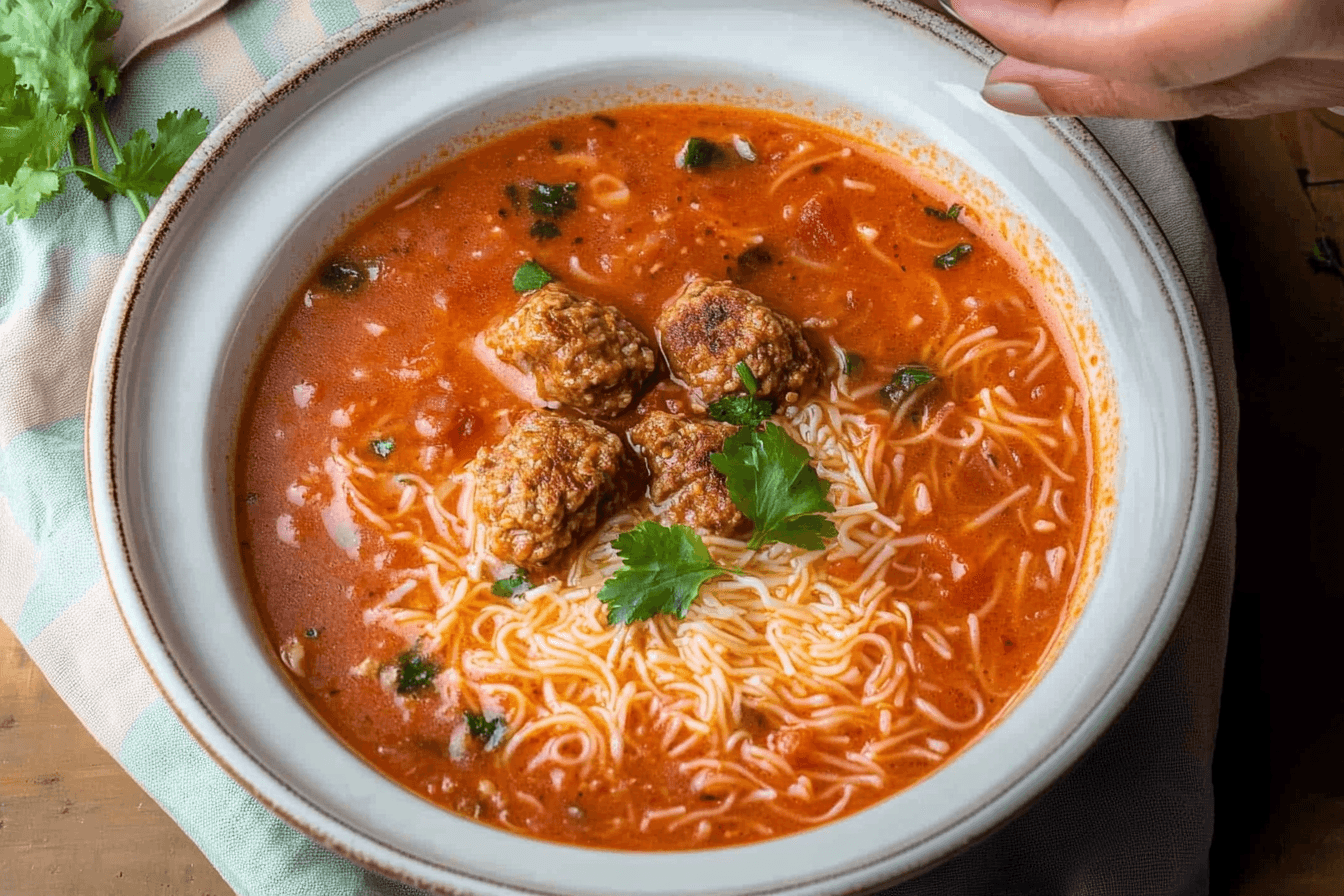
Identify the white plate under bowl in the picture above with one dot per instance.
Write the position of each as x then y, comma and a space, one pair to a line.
281, 177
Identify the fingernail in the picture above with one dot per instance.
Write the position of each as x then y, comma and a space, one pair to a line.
1019, 99
947, 8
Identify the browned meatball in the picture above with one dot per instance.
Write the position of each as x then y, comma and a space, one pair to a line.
548, 484
685, 487
582, 354
709, 327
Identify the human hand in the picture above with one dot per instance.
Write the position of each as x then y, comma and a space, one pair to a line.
1161, 59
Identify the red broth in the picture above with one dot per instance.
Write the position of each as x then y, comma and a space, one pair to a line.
809, 687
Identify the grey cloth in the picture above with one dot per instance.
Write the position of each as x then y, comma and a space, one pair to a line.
1134, 817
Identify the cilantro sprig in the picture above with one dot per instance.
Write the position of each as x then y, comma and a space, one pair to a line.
664, 567
488, 729
512, 586
771, 479
56, 72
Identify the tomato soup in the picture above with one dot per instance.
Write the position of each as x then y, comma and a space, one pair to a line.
510, 536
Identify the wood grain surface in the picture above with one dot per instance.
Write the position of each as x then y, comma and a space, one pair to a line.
72, 822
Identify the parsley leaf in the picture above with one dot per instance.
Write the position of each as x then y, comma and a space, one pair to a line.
544, 230
147, 164
698, 153
61, 49
952, 256
21, 196
664, 569
530, 276
489, 729
852, 363
382, 447
415, 672
552, 200
950, 215
905, 380
771, 480
742, 410
512, 586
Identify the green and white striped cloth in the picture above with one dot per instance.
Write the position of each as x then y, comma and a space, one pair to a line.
1134, 817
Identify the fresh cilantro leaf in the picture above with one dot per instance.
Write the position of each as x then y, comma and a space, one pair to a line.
952, 256
544, 230
32, 132
698, 153
663, 570
415, 672
382, 447
21, 196
552, 200
950, 215
488, 729
742, 410
148, 164
905, 380
852, 363
530, 276
511, 586
771, 480
61, 49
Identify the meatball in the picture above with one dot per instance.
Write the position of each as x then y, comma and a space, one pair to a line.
550, 482
582, 354
709, 327
685, 487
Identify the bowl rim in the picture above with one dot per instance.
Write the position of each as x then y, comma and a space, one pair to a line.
173, 683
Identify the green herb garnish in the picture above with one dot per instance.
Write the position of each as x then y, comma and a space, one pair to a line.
950, 215
663, 570
511, 586
552, 200
530, 276
952, 256
382, 447
771, 479
851, 363
415, 672
742, 410
905, 380
698, 153
56, 73
544, 230
488, 729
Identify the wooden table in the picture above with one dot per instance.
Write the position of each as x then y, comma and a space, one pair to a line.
72, 822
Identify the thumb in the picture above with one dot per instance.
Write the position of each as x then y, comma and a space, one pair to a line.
1024, 88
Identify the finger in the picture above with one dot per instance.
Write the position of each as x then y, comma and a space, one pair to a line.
1159, 43
1280, 86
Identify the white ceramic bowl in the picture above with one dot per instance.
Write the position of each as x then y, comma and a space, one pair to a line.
282, 176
